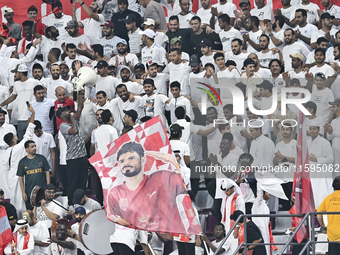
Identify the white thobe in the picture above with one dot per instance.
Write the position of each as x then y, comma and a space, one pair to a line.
20, 245
262, 149
335, 138
11, 160
260, 207
321, 181
225, 207
5, 129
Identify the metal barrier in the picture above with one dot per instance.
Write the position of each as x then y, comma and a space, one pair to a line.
304, 217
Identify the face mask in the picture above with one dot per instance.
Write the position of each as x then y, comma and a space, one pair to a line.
79, 219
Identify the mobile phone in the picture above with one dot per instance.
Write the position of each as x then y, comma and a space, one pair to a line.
28, 104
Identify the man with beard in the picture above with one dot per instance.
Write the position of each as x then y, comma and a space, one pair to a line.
285, 12
266, 55
59, 20
242, 15
322, 67
71, 51
336, 66
326, 30
175, 31
52, 83
200, 34
10, 210
297, 64
48, 211
99, 123
4, 129
15, 28
105, 82
304, 31
262, 72
137, 186
132, 86
91, 25
62, 101
139, 70
321, 43
332, 9
124, 102
22, 92
159, 79
11, 57
196, 67
219, 234
80, 198
75, 37
236, 53
39, 232
65, 72
292, 47
110, 40
154, 103
152, 51
123, 58
44, 108
251, 39
38, 72
312, 15
135, 38
228, 33
119, 17
275, 32
177, 43
178, 71
33, 170
79, 214
63, 244
185, 15
49, 40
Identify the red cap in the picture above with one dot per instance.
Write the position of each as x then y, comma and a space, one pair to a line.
108, 23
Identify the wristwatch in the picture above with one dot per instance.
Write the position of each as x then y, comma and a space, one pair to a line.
270, 34
82, 3
74, 235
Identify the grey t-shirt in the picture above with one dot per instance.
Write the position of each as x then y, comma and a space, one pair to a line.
75, 143
155, 11
15, 31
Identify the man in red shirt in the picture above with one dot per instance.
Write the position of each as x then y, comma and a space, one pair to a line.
145, 201
62, 101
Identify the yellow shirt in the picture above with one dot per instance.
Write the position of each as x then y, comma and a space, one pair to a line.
332, 204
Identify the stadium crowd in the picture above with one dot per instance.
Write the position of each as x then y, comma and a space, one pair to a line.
147, 66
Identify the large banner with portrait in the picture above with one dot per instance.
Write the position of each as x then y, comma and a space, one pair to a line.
142, 186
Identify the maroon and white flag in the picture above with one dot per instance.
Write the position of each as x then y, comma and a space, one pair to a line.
302, 187
142, 187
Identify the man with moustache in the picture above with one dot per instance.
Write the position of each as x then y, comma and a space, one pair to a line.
292, 47
75, 36
78, 215
158, 78
236, 53
133, 87
91, 25
123, 57
304, 30
65, 72
52, 83
105, 82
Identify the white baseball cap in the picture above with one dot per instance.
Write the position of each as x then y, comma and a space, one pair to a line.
8, 10
148, 22
148, 32
21, 68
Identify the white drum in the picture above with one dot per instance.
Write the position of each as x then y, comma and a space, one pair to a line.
95, 231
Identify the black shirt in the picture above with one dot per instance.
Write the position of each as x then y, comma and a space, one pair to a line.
253, 234
195, 40
11, 212
184, 35
120, 27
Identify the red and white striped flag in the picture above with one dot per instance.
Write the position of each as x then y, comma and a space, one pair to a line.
302, 187
142, 187
5, 230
